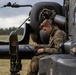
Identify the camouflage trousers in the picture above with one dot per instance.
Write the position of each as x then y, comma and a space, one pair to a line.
34, 65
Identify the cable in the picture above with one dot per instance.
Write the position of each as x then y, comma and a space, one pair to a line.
32, 50
22, 24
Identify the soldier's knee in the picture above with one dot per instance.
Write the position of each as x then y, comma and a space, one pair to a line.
34, 58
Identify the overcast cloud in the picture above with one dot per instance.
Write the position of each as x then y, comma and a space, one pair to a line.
15, 16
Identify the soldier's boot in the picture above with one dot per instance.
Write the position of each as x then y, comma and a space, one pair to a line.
31, 73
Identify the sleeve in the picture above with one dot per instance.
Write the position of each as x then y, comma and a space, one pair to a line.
54, 46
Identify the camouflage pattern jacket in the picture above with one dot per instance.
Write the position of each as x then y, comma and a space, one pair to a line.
57, 37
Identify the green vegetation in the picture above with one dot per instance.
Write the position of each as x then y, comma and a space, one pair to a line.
5, 67
7, 31
6, 37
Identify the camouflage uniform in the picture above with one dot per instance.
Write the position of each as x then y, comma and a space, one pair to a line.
57, 37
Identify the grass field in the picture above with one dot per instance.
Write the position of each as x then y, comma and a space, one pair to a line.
5, 63
5, 67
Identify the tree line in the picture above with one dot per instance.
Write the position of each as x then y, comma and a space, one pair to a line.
7, 31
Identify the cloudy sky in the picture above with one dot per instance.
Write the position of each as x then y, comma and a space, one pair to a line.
15, 16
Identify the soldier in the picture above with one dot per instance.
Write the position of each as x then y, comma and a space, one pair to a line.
57, 37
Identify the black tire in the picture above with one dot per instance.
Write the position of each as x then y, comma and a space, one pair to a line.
34, 17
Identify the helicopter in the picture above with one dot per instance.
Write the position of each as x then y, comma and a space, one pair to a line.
62, 64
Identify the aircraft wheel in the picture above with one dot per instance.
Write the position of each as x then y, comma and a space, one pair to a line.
37, 10
36, 16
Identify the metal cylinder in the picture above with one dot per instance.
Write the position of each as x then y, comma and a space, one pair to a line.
61, 20
25, 51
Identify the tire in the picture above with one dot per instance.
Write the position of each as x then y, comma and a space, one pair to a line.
37, 8
34, 16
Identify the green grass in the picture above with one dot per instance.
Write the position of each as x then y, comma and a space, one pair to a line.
6, 37
5, 63
5, 67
